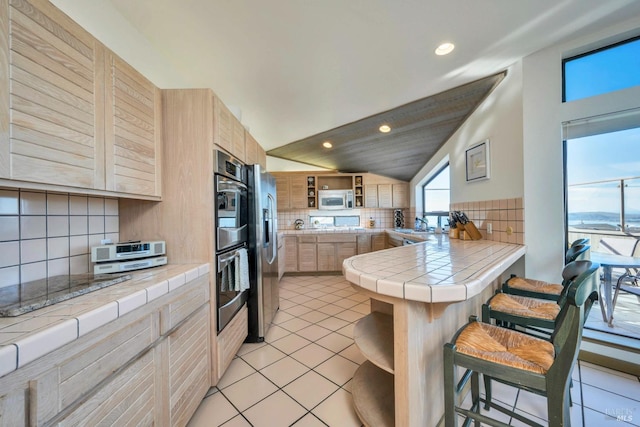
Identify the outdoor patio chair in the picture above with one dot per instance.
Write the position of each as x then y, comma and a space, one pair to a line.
581, 241
632, 288
540, 289
520, 360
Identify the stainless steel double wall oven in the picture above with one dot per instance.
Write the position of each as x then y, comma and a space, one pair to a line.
231, 218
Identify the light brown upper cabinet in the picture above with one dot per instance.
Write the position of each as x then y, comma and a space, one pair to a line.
133, 120
250, 149
53, 109
291, 190
400, 195
229, 134
52, 101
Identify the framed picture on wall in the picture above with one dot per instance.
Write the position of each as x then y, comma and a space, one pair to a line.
477, 161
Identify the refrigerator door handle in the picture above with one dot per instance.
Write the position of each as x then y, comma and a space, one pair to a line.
271, 231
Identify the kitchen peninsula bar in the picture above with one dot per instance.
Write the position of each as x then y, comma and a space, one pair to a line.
420, 295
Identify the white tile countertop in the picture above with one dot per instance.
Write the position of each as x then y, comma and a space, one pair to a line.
32, 335
438, 270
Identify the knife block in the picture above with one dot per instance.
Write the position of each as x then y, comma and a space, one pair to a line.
472, 231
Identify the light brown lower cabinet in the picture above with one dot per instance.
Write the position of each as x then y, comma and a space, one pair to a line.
333, 249
307, 253
290, 260
326, 251
231, 338
148, 367
378, 242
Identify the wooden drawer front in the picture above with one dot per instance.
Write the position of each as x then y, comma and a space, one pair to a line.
77, 375
186, 303
336, 238
132, 130
306, 239
54, 92
127, 400
188, 366
231, 338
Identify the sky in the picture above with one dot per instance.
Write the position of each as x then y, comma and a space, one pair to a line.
609, 156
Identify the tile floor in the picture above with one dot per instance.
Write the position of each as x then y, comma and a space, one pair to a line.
301, 375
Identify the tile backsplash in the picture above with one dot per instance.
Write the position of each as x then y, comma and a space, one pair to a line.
383, 217
50, 234
502, 214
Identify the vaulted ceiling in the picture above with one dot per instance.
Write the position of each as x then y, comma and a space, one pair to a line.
293, 69
418, 130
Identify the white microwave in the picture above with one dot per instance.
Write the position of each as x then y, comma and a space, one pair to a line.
335, 199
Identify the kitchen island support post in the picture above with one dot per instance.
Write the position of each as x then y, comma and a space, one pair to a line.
420, 332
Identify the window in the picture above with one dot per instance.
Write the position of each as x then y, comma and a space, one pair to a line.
601, 71
602, 169
603, 179
436, 194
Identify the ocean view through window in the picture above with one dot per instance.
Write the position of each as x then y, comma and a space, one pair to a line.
602, 175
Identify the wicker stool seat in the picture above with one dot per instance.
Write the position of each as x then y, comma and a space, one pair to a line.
532, 285
540, 289
506, 347
524, 307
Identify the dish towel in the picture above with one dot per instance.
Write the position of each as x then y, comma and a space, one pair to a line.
242, 270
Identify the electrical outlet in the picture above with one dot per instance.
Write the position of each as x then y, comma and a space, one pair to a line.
489, 228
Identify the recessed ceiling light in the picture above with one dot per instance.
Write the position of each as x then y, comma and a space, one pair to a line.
445, 48
327, 144
384, 128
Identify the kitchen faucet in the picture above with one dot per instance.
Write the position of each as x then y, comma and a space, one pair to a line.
425, 223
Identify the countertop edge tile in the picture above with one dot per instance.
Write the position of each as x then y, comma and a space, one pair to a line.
368, 281
93, 319
192, 274
177, 281
131, 302
448, 293
37, 345
204, 269
417, 292
8, 359
157, 290
391, 288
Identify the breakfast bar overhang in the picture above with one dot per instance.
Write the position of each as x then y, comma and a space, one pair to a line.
420, 295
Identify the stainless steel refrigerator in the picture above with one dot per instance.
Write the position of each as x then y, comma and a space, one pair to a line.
263, 252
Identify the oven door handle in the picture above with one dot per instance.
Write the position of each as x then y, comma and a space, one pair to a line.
223, 260
230, 183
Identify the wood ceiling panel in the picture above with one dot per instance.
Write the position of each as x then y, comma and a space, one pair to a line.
419, 129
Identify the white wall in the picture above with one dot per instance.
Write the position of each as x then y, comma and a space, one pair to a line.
544, 113
106, 24
498, 118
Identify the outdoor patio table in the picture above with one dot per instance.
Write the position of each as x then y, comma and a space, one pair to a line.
608, 262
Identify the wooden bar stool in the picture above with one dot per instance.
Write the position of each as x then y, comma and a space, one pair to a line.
533, 313
540, 289
520, 360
